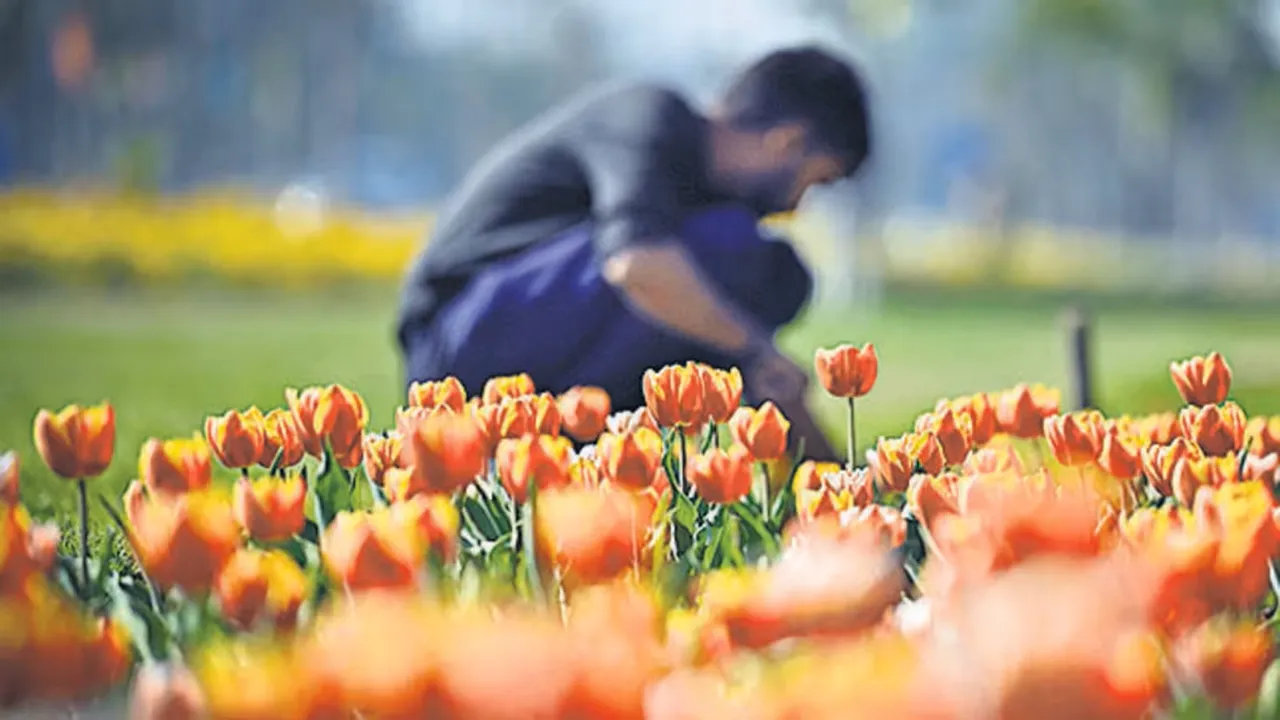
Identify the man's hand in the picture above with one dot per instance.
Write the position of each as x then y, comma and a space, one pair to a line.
770, 375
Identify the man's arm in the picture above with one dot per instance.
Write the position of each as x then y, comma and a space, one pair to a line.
661, 281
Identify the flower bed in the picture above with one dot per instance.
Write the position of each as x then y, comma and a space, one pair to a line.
517, 555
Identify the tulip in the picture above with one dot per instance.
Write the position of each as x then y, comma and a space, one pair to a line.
381, 549
261, 586
77, 444
632, 459
894, 463
507, 387
282, 441
993, 461
381, 453
953, 430
1229, 659
9, 477
593, 536
1217, 430
980, 411
1119, 457
1021, 411
437, 520
1160, 461
1202, 380
256, 679
341, 417
303, 406
624, 421
721, 477
542, 460
925, 451
175, 466
847, 371
444, 451
721, 392
762, 432
1075, 438
528, 414
26, 549
931, 496
271, 509
237, 438
1262, 435
584, 411
674, 395
447, 393
181, 540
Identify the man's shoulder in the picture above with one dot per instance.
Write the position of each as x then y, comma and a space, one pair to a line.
636, 106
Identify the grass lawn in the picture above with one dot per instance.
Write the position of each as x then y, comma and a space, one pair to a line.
166, 361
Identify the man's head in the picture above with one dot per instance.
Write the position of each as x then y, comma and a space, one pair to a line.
793, 119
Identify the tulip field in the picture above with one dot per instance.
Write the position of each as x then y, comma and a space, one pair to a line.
501, 552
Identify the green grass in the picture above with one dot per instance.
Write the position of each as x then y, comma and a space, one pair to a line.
167, 361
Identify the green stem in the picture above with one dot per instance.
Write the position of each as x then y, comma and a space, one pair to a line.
853, 438
84, 536
765, 510
684, 461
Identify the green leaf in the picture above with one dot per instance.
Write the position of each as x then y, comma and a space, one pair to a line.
1268, 706
530, 548
766, 536
151, 633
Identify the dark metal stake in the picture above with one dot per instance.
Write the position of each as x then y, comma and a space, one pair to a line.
1079, 342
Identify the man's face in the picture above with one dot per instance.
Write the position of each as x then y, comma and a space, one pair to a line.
787, 167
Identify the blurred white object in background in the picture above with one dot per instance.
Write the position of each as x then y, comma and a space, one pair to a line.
301, 209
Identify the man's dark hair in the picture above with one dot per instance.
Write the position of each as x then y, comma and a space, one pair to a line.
805, 84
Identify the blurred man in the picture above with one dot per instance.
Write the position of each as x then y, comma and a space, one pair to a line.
619, 233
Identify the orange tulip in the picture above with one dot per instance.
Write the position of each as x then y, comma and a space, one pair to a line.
437, 520
9, 477
77, 442
762, 432
1242, 515
993, 461
1075, 438
528, 415
630, 460
382, 549
926, 451
584, 412
381, 453
675, 396
1160, 428
539, 459
26, 549
1261, 468
271, 509
1217, 430
237, 438
341, 417
624, 421
981, 413
447, 393
585, 472
1021, 411
1229, 658
930, 496
952, 430
721, 477
836, 491
166, 693
176, 466
507, 387
1262, 435
444, 451
722, 392
283, 439
1118, 456
303, 406
894, 463
1160, 461
593, 536
1192, 473
1202, 380
181, 540
258, 679
256, 586
847, 371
